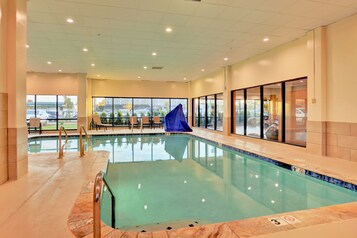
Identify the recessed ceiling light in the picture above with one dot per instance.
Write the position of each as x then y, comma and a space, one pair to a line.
70, 20
266, 39
139, 77
98, 75
145, 67
85, 49
49, 62
184, 78
226, 59
168, 29
153, 53
60, 70
92, 64
27, 46
203, 70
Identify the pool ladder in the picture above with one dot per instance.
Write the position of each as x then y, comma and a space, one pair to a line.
99, 183
81, 144
61, 147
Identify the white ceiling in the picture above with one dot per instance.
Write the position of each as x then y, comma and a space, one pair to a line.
121, 34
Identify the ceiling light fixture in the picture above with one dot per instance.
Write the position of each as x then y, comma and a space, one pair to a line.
92, 64
49, 62
27, 46
184, 78
60, 70
139, 77
98, 75
85, 49
70, 20
153, 53
203, 70
145, 67
226, 59
168, 29
266, 39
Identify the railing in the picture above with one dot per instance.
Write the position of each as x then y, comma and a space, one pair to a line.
81, 144
97, 196
61, 147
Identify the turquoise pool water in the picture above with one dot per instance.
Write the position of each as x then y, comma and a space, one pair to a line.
178, 180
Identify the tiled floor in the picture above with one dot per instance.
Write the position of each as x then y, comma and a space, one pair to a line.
38, 204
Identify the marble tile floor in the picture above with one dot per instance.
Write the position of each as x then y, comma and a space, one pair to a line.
38, 204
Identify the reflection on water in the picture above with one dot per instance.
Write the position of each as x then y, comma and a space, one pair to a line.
122, 148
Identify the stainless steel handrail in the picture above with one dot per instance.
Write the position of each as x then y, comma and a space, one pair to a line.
97, 196
61, 147
81, 144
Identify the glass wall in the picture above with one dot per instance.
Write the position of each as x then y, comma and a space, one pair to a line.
142, 107
219, 112
117, 111
211, 105
238, 112
253, 112
265, 106
53, 110
202, 114
272, 112
208, 112
296, 112
67, 112
195, 112
122, 110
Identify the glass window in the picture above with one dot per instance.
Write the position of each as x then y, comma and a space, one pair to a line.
142, 107
210, 112
219, 111
160, 107
202, 114
30, 107
272, 112
177, 101
45, 105
67, 109
253, 112
296, 112
122, 110
103, 107
195, 110
238, 113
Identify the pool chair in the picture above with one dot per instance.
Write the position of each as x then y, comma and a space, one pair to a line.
157, 122
34, 124
133, 122
145, 122
97, 123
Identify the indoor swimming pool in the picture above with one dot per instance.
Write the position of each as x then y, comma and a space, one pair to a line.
161, 182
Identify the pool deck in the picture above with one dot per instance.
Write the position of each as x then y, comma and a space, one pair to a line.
55, 198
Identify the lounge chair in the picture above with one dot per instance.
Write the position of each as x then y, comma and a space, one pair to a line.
97, 123
145, 122
133, 121
156, 121
35, 123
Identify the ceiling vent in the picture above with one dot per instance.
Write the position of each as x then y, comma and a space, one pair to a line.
157, 67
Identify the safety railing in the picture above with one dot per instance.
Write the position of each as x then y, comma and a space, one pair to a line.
81, 144
61, 147
99, 183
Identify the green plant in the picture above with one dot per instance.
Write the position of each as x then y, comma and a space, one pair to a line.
103, 118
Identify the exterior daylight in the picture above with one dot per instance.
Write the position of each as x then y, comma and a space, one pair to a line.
272, 82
